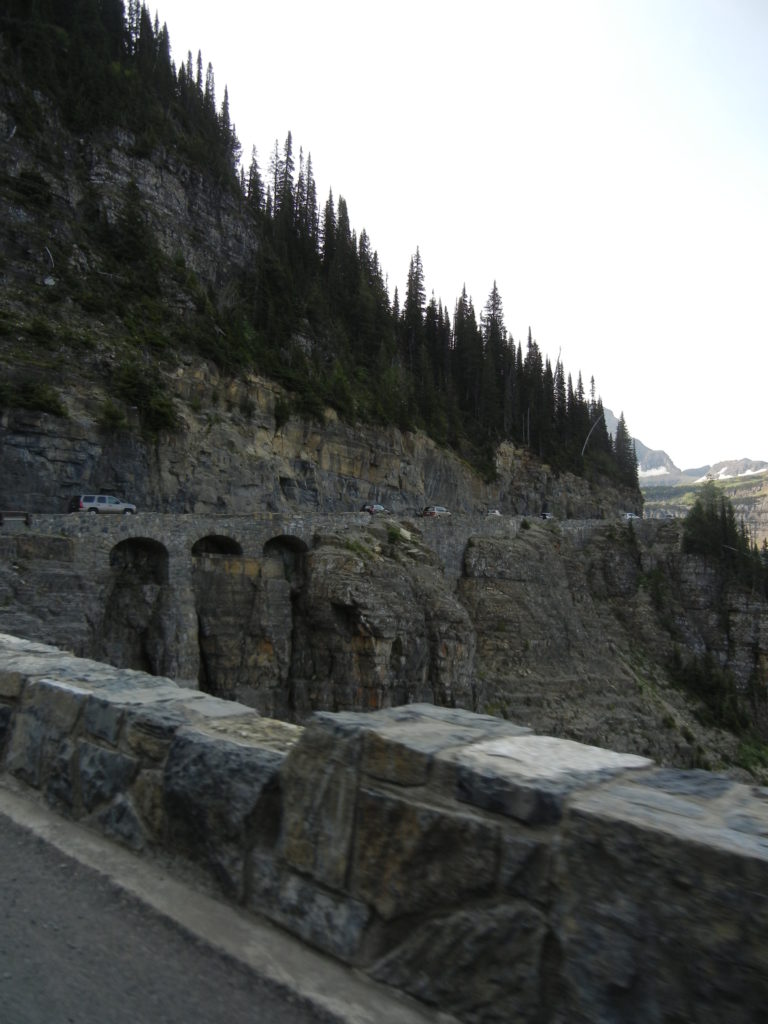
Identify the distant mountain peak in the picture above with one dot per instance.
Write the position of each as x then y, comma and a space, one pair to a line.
655, 468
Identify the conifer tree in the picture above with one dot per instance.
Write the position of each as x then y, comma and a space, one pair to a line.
494, 337
413, 311
625, 456
254, 184
329, 232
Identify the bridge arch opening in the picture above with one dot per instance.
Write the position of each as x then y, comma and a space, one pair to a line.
137, 607
216, 544
142, 559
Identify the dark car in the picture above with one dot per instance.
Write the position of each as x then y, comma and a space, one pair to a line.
101, 503
432, 511
373, 509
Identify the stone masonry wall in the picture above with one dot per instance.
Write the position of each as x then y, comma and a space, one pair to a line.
491, 873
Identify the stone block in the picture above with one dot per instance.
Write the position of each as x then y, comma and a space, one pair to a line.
319, 781
664, 913
24, 750
47, 717
525, 868
148, 798
102, 720
149, 731
401, 743
60, 775
483, 964
409, 858
103, 774
329, 921
11, 684
212, 789
120, 822
529, 777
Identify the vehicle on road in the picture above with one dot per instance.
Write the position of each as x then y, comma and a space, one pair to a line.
545, 515
432, 511
101, 503
374, 510
493, 512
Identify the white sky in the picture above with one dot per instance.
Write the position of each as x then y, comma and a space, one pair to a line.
604, 161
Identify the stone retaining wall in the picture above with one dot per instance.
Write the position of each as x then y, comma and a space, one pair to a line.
489, 872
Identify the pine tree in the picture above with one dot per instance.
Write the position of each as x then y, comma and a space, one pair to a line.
469, 366
286, 199
254, 185
230, 144
311, 214
413, 312
329, 232
494, 335
625, 456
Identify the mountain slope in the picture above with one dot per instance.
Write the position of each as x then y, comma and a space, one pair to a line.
131, 242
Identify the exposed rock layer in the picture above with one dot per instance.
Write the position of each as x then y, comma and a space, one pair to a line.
568, 627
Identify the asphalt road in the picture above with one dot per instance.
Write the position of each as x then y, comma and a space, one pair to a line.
75, 949
93, 934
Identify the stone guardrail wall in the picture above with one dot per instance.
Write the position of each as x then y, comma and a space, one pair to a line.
491, 873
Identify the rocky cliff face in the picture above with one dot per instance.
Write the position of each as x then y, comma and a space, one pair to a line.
570, 628
65, 203
230, 455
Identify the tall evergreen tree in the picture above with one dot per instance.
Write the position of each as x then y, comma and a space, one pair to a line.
413, 312
625, 455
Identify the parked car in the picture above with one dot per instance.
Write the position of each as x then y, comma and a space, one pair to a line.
432, 511
100, 503
373, 509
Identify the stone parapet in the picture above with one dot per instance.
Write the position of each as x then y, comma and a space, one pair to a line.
494, 874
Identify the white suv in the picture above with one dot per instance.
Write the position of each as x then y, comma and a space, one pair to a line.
100, 503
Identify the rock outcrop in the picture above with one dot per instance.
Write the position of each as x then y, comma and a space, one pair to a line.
230, 455
572, 628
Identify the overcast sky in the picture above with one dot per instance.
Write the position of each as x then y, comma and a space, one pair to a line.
604, 161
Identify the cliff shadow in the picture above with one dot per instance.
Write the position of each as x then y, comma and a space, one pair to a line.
138, 610
244, 611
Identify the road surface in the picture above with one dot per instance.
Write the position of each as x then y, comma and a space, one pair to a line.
92, 934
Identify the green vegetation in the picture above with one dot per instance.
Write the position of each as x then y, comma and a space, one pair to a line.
713, 687
33, 394
753, 755
710, 529
140, 385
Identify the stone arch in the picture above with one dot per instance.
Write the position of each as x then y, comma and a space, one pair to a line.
216, 544
138, 609
142, 558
